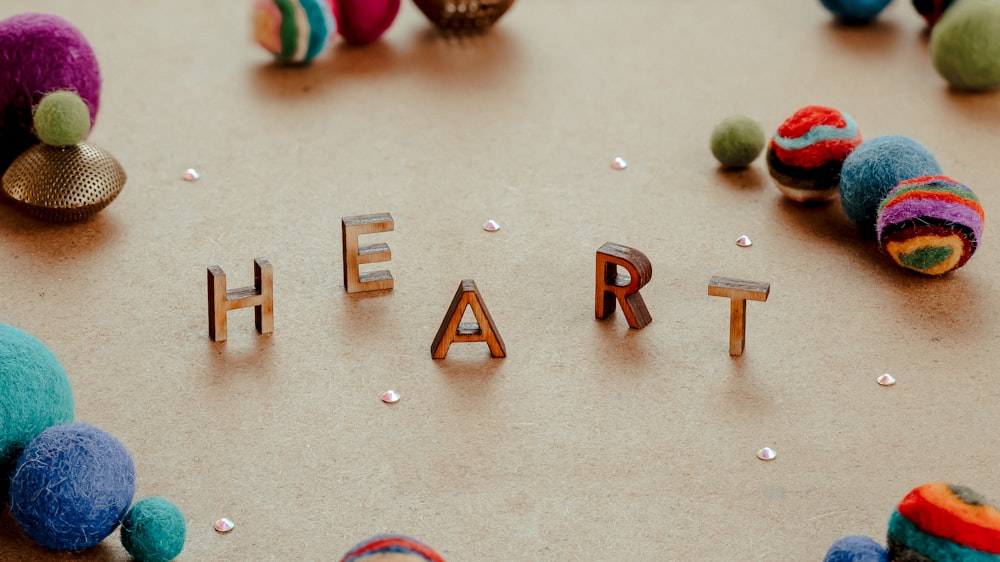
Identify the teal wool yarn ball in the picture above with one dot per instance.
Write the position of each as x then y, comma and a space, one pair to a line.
35, 394
874, 168
153, 530
737, 141
62, 118
965, 44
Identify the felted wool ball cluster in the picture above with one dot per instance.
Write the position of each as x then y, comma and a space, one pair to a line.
965, 45
293, 31
71, 487
931, 224
35, 394
391, 547
41, 53
931, 10
807, 152
940, 521
153, 530
874, 168
855, 11
737, 141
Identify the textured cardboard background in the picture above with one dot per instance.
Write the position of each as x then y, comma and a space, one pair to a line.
590, 441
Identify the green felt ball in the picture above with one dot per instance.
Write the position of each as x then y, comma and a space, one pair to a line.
153, 530
737, 141
35, 395
61, 119
965, 44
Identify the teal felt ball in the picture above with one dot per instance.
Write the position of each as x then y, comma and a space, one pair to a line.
35, 394
855, 11
153, 530
874, 168
737, 141
62, 118
965, 44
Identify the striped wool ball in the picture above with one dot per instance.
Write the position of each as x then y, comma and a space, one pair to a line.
806, 153
930, 224
293, 31
391, 547
940, 521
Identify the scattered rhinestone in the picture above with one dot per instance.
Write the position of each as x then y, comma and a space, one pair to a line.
224, 525
886, 380
191, 175
491, 226
390, 397
619, 163
767, 454
744, 241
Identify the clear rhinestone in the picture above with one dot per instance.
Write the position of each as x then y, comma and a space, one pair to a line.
619, 163
744, 241
886, 380
191, 175
767, 454
224, 525
390, 397
491, 226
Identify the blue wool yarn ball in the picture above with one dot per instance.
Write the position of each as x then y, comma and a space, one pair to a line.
35, 394
153, 530
875, 167
858, 11
72, 485
856, 548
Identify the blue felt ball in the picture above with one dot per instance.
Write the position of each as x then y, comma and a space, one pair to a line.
875, 167
855, 10
856, 548
71, 487
35, 394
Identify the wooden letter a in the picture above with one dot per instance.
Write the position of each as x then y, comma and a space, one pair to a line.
454, 330
612, 286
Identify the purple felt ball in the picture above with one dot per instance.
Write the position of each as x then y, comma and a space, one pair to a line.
71, 487
40, 53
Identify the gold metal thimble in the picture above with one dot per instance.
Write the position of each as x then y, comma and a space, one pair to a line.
64, 184
463, 15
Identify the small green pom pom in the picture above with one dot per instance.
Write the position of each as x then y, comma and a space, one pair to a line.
153, 531
61, 119
965, 44
737, 141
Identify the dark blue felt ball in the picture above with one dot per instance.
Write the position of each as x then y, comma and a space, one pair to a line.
857, 11
875, 167
855, 548
71, 487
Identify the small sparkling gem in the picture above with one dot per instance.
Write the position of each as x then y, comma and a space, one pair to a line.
191, 175
744, 241
491, 226
886, 380
767, 454
619, 163
390, 397
224, 525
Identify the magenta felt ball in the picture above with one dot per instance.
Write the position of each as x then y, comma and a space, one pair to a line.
361, 22
40, 53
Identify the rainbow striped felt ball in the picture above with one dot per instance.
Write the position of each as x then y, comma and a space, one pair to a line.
807, 151
391, 547
930, 224
940, 521
293, 31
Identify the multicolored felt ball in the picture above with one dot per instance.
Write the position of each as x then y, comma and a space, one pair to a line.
806, 153
294, 31
931, 10
940, 521
930, 224
391, 547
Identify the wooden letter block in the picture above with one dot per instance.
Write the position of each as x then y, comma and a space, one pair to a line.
612, 286
260, 296
739, 292
355, 255
454, 330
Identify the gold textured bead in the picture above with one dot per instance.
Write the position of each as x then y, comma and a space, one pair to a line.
64, 184
463, 16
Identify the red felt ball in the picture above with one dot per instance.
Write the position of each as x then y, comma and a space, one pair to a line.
361, 22
41, 53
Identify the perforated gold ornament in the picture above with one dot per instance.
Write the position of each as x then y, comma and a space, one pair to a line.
64, 184
463, 15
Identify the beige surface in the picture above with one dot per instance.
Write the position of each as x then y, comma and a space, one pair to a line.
590, 441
